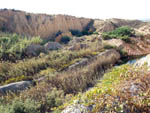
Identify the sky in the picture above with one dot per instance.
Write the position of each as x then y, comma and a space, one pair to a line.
97, 9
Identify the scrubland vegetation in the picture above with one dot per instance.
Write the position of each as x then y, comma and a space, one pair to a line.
97, 83
44, 97
48, 94
27, 68
68, 82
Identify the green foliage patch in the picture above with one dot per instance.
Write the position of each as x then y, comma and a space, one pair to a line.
12, 46
79, 33
19, 106
123, 33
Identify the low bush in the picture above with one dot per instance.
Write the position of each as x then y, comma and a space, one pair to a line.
81, 33
76, 33
123, 33
65, 39
19, 106
12, 46
45, 95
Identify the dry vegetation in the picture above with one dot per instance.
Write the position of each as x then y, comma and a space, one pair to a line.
28, 68
51, 92
61, 86
79, 79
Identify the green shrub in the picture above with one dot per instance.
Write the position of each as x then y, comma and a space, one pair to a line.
79, 33
86, 32
12, 46
65, 39
18, 106
123, 33
54, 98
45, 95
76, 33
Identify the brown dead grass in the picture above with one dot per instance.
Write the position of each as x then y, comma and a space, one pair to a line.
74, 81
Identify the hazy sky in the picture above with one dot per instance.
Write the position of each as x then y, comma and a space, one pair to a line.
128, 9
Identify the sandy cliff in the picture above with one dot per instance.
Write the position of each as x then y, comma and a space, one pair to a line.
39, 24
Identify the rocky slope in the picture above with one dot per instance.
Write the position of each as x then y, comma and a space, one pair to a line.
137, 47
111, 24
